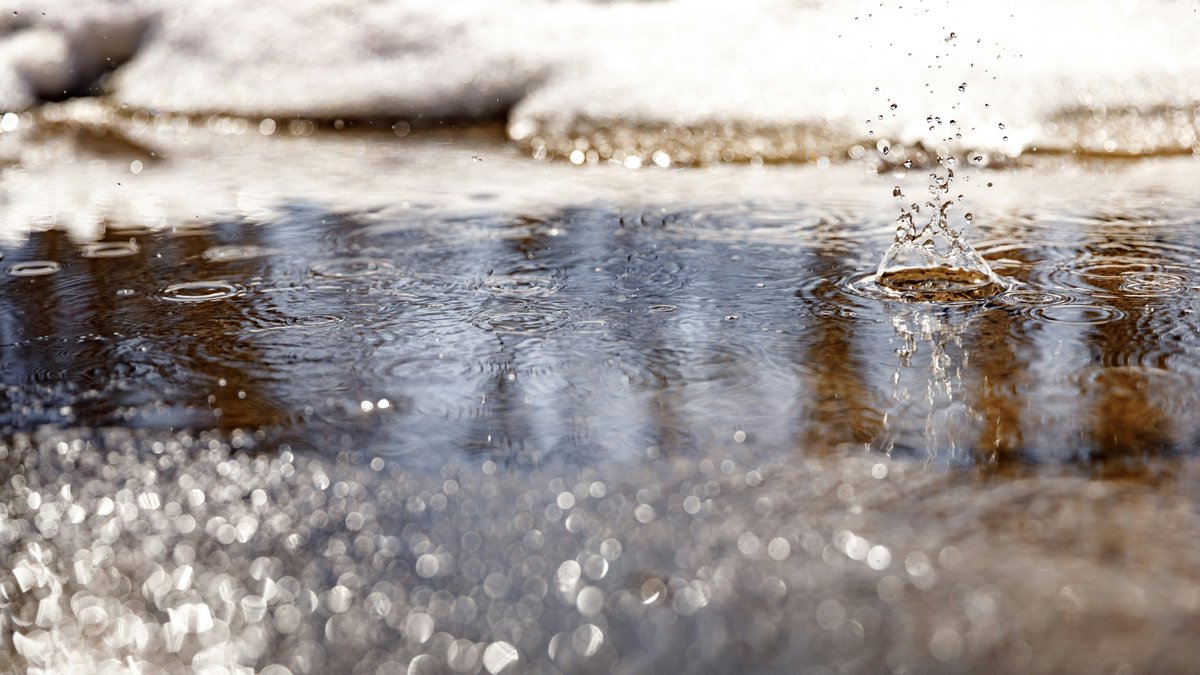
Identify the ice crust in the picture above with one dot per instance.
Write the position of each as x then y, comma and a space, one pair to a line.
547, 66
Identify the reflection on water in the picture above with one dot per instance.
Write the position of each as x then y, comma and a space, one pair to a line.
595, 334
598, 441
933, 262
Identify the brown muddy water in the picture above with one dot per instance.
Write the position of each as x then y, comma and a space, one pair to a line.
674, 427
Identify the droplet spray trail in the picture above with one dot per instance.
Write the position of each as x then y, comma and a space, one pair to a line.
934, 262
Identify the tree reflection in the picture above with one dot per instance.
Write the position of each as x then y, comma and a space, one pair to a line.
838, 405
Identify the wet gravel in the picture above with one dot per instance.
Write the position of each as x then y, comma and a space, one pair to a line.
143, 552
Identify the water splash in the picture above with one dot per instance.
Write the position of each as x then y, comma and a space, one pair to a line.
933, 262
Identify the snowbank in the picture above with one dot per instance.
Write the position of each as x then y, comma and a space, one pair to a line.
573, 75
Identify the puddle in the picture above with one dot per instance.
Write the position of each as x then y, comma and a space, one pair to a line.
622, 333
200, 291
702, 437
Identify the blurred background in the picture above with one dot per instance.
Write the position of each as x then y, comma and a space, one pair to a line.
532, 336
660, 84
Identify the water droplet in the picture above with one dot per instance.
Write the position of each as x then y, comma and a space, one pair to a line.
520, 284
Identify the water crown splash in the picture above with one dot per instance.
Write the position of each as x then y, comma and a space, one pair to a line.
934, 262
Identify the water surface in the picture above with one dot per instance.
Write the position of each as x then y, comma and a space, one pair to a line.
674, 424
598, 331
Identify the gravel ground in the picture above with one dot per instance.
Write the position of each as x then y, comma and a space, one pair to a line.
128, 552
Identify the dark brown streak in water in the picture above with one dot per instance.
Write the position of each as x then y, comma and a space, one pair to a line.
841, 407
596, 339
1126, 404
1000, 378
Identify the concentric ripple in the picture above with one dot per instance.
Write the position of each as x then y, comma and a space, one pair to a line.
834, 294
235, 252
522, 322
201, 291
34, 268
1153, 284
110, 249
651, 276
311, 321
1028, 297
521, 284
1078, 313
591, 327
1121, 276
352, 268
436, 387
